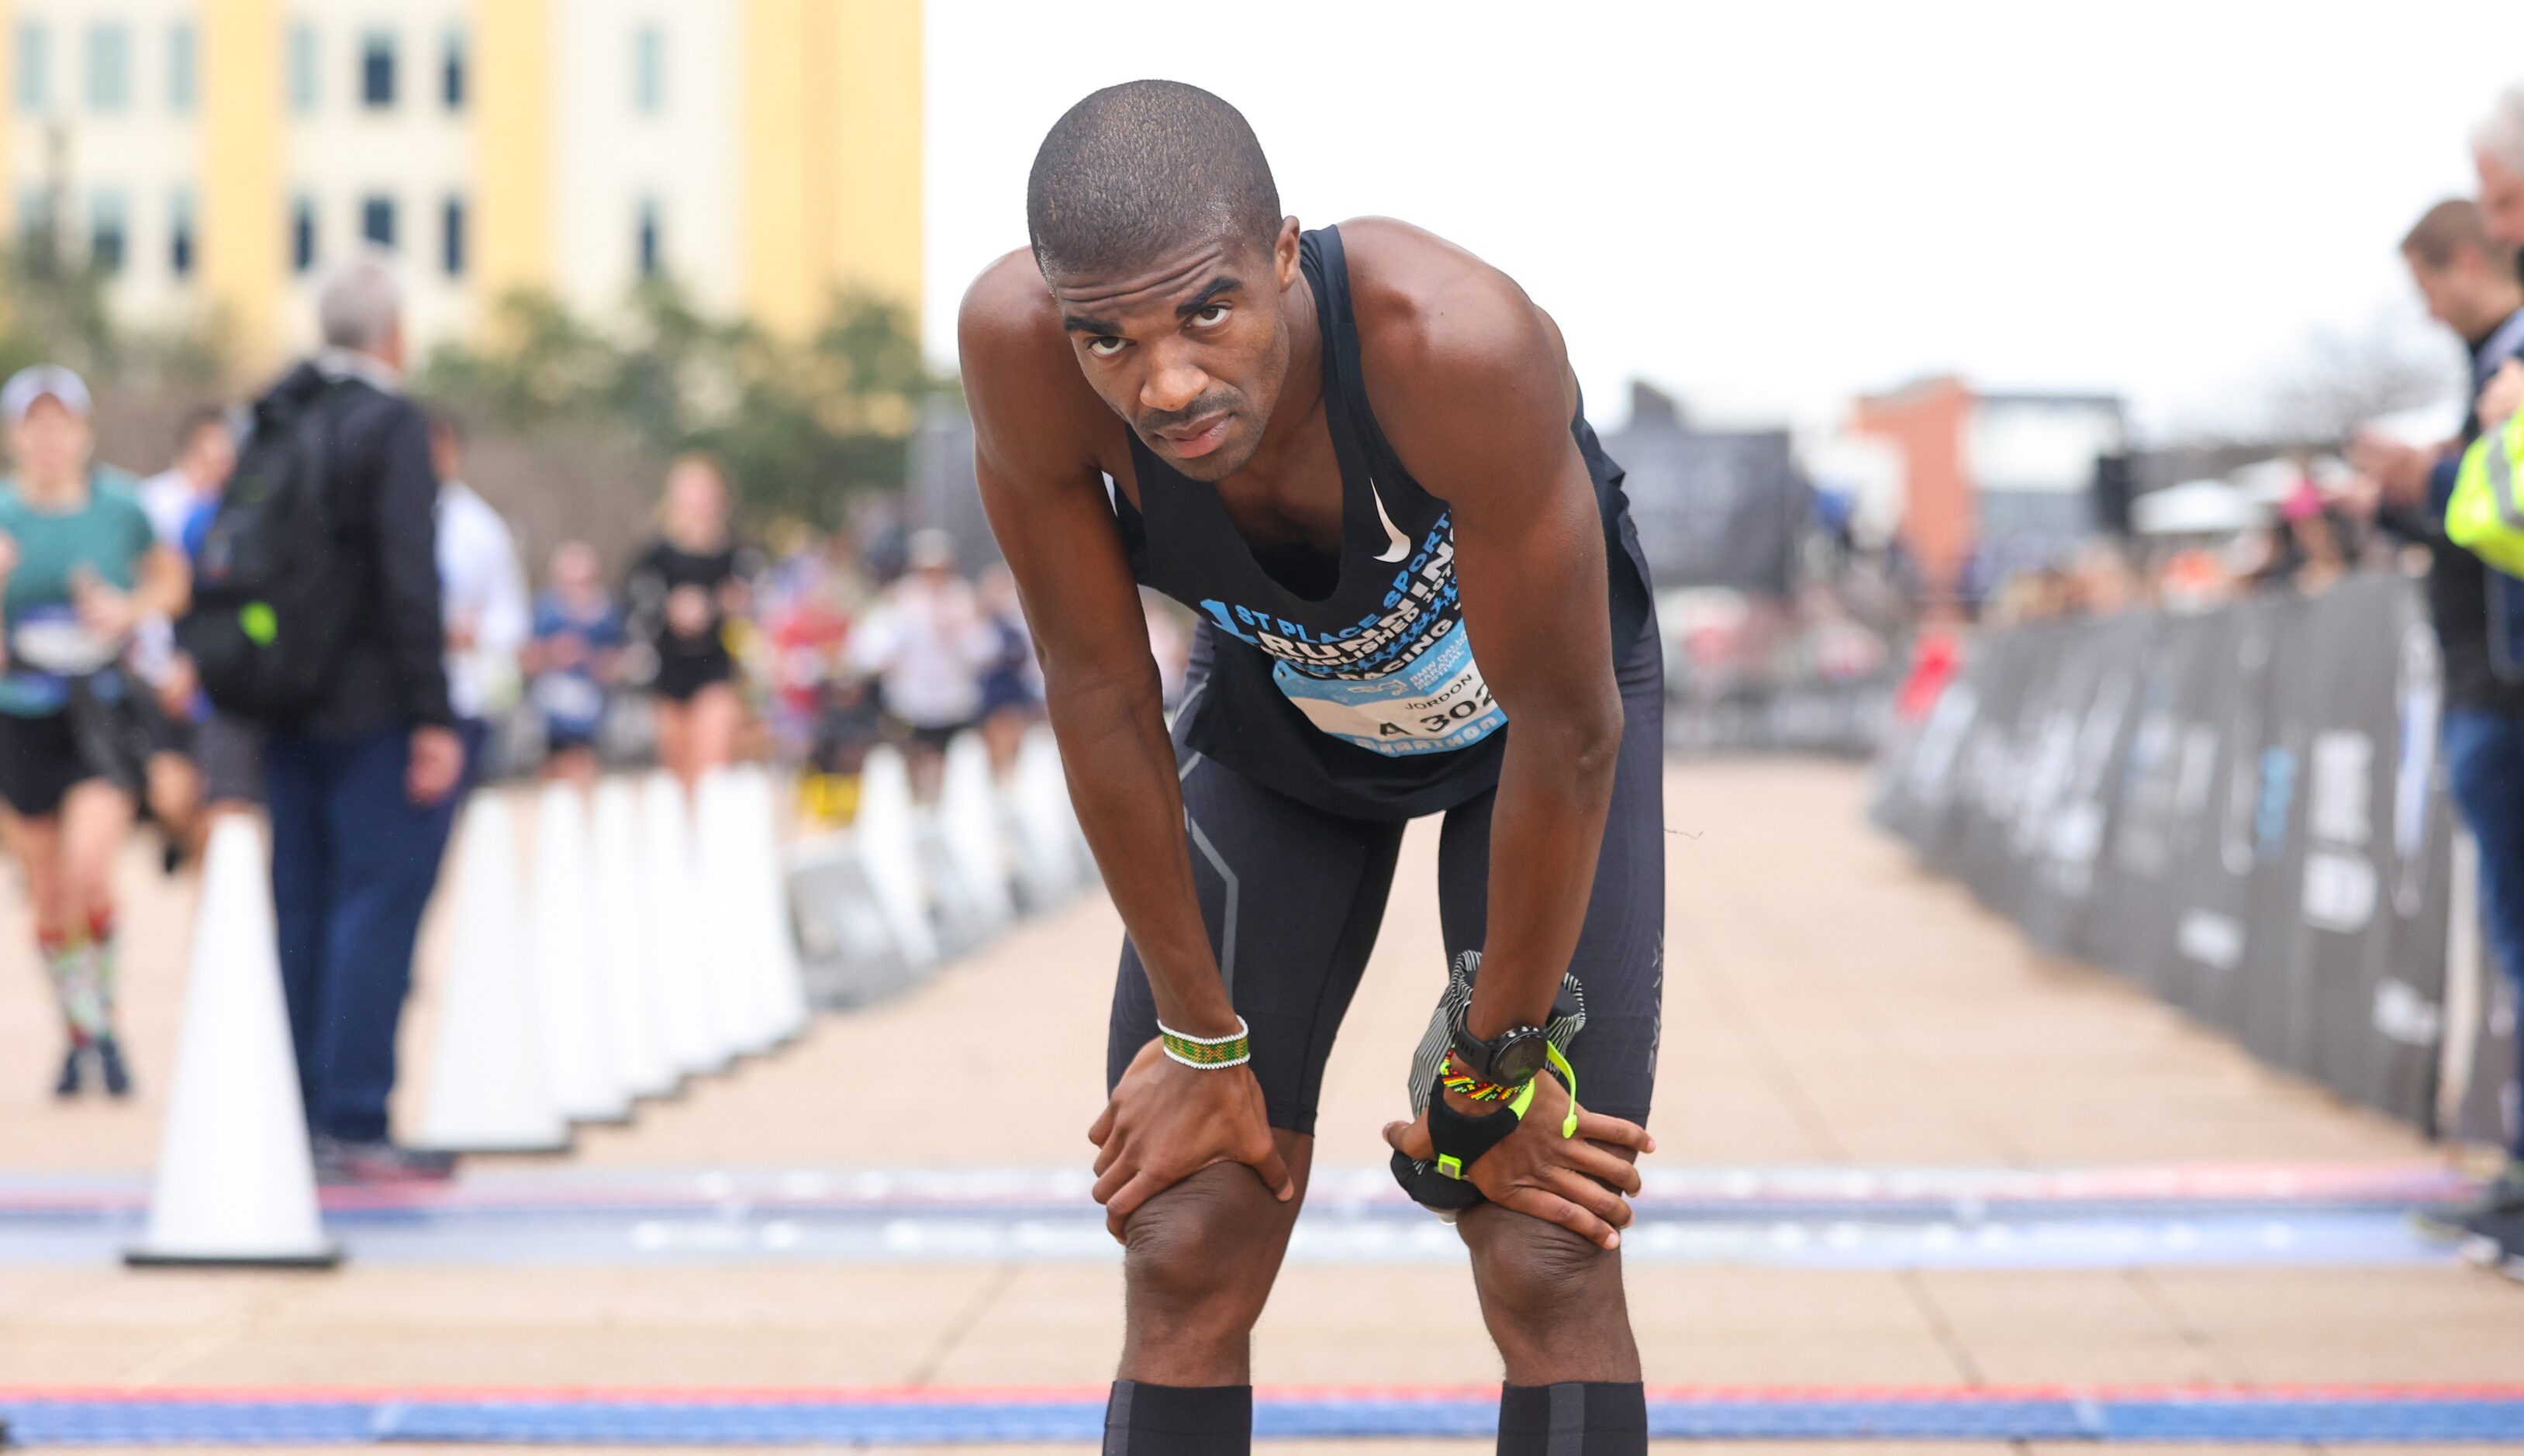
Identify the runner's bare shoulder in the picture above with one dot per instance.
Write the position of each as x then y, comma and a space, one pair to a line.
1033, 412
1448, 342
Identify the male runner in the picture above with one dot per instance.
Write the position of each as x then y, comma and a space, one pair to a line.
1358, 455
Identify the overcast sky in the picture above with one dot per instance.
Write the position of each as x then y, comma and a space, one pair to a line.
1771, 206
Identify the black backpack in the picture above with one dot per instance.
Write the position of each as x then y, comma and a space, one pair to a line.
275, 582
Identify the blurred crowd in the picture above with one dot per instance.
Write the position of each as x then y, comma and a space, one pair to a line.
310, 617
2444, 507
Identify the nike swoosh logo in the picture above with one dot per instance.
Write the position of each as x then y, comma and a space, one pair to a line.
1396, 547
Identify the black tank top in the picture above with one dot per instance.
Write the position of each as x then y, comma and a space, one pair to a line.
1366, 700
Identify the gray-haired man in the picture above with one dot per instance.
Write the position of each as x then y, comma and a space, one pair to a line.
351, 782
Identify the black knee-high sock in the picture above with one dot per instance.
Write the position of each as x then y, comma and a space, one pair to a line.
1144, 1419
1577, 1417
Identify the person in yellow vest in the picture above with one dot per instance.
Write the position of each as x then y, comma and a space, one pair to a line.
2474, 506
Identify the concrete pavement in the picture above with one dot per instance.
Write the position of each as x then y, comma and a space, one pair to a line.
1827, 1004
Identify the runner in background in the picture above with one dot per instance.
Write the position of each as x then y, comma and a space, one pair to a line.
927, 643
83, 568
573, 658
683, 592
1011, 681
176, 498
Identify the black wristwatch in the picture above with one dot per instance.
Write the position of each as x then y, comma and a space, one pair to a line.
1510, 1060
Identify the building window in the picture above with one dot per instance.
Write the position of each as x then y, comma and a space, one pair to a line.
377, 221
184, 63
302, 235
378, 69
180, 233
451, 73
451, 238
650, 249
648, 71
108, 230
301, 68
109, 67
34, 67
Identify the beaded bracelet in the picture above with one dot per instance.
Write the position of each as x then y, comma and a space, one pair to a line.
1455, 1077
1207, 1054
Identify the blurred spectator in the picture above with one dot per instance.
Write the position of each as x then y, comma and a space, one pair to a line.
204, 454
79, 569
573, 656
2469, 281
2101, 582
927, 644
683, 592
807, 628
1011, 680
2317, 557
2498, 151
180, 499
356, 784
482, 587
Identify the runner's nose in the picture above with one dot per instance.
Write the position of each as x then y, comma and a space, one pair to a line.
1173, 385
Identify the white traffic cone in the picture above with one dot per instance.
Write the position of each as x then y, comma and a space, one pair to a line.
622, 947
1044, 868
733, 963
1042, 790
488, 1089
968, 820
561, 941
782, 980
236, 1184
886, 839
687, 1025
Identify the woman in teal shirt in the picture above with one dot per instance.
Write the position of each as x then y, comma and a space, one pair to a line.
81, 568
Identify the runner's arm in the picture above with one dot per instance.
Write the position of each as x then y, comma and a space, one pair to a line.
1483, 421
1045, 498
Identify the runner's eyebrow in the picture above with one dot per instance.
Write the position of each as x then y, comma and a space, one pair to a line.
1201, 300
1103, 327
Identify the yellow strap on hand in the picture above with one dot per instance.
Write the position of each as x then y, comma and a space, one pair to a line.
1569, 1075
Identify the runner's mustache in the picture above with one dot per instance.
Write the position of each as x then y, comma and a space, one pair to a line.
1199, 409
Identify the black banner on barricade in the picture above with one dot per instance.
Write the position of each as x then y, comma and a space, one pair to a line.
2211, 907
2244, 811
2272, 1011
2481, 1015
2344, 923
2068, 807
2160, 800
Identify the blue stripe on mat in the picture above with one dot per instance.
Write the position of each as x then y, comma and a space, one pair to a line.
610, 1420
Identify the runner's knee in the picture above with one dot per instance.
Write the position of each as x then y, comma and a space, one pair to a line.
1534, 1275
1192, 1247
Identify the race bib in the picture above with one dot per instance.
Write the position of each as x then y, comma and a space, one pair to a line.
1436, 704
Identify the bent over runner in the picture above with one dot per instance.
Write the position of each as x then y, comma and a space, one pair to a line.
1358, 455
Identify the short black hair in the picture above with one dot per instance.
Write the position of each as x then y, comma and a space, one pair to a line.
1139, 169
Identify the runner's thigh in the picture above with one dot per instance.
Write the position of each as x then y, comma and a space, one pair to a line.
1620, 958
1292, 897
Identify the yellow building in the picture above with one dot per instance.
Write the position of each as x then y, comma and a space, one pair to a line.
216, 154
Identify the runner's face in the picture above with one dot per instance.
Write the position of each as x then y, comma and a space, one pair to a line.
50, 444
1192, 350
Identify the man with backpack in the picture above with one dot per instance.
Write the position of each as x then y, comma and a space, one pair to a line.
318, 616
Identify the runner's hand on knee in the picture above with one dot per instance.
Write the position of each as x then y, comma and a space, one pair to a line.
1578, 1181
1167, 1121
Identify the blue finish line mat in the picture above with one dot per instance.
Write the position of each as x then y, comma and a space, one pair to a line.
2402, 1414
2225, 1215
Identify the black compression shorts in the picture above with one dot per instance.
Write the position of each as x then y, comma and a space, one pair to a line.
1293, 897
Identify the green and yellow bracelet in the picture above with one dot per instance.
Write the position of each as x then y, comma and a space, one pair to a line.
1207, 1054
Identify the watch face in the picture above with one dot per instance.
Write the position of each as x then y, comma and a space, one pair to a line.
1520, 1058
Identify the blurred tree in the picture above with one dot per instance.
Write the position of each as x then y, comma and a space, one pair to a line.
801, 424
